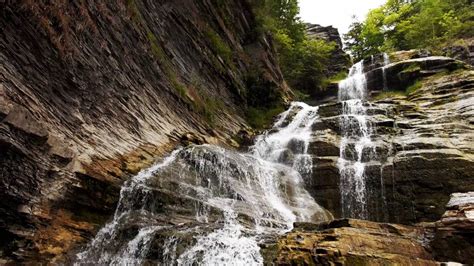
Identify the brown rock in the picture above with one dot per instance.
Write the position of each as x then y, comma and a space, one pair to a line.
353, 242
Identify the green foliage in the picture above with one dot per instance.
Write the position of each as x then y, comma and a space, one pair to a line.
409, 24
414, 87
303, 61
388, 94
280, 16
337, 77
261, 117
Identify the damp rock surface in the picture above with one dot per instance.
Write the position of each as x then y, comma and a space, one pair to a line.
91, 92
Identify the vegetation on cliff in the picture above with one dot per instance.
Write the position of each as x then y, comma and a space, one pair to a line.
303, 60
409, 24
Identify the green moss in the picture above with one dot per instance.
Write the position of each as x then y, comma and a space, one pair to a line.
210, 108
338, 77
389, 94
261, 118
160, 55
300, 96
411, 68
156, 50
134, 11
414, 87
220, 47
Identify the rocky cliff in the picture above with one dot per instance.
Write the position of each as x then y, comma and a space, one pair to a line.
423, 142
417, 164
340, 61
91, 91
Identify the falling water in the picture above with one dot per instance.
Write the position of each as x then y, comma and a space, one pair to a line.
356, 147
212, 206
386, 61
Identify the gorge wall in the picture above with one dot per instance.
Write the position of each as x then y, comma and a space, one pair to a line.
92, 91
422, 141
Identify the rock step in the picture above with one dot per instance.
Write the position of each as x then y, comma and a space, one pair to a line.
352, 242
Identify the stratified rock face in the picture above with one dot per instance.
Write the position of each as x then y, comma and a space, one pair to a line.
423, 150
340, 61
89, 90
400, 75
454, 237
352, 242
463, 52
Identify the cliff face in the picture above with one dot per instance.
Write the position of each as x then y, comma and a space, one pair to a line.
417, 169
340, 61
421, 149
92, 91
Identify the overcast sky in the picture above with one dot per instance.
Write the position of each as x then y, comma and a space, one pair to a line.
337, 13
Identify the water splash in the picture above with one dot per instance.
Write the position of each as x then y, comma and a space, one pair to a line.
356, 147
288, 141
206, 205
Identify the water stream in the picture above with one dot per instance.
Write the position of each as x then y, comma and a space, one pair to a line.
356, 147
206, 205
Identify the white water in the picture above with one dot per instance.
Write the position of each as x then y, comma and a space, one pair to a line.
386, 61
356, 145
245, 196
293, 137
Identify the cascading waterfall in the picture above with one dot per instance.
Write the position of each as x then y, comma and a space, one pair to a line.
386, 61
211, 206
356, 147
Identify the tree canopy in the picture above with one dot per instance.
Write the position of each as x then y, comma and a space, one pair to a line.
409, 24
303, 61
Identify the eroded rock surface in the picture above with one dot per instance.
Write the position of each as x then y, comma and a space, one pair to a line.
353, 242
454, 237
340, 61
91, 91
424, 150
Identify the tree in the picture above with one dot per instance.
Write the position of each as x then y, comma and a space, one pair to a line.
303, 61
354, 42
408, 24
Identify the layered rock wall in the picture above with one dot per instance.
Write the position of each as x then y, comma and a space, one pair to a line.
423, 145
91, 91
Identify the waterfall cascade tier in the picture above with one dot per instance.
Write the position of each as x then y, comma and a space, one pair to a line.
211, 206
356, 147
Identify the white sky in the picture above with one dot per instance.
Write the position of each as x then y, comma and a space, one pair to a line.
337, 13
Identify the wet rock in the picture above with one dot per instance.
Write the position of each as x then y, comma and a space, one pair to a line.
353, 242
191, 138
86, 104
455, 230
296, 146
400, 75
463, 52
20, 118
422, 146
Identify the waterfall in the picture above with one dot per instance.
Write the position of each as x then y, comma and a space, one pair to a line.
356, 146
386, 61
208, 205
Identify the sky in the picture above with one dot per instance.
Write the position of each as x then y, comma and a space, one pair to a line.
337, 13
